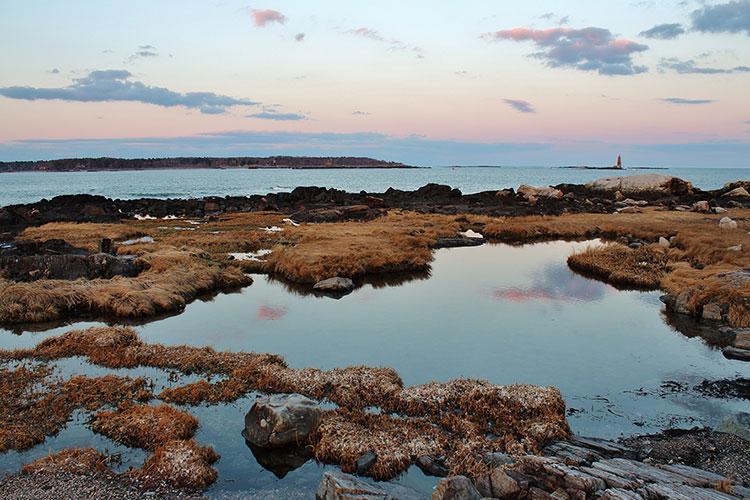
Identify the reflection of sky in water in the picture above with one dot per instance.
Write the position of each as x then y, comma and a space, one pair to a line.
502, 313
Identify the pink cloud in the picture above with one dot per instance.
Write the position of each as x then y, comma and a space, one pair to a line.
262, 17
367, 33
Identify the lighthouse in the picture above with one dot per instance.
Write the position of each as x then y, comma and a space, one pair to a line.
619, 162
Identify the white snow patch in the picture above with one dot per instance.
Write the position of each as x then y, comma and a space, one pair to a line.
251, 255
272, 229
290, 221
136, 241
144, 217
471, 234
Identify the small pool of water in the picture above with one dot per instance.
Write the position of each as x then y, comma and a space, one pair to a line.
508, 314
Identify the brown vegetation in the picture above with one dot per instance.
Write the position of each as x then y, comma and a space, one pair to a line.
144, 426
460, 413
72, 460
642, 267
34, 404
182, 464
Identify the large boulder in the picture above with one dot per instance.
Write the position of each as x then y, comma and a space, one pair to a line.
456, 488
340, 486
539, 192
281, 420
642, 185
337, 284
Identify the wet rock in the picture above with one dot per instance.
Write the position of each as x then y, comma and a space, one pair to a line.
456, 488
365, 461
458, 241
340, 486
736, 353
69, 267
742, 339
432, 466
727, 224
739, 192
281, 420
336, 284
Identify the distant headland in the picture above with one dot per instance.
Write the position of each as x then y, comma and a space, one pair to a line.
293, 162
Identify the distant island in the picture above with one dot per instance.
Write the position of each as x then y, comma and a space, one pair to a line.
294, 162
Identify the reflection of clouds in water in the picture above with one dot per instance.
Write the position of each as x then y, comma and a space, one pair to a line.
557, 283
270, 313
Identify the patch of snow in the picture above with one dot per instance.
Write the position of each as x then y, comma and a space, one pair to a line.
176, 228
170, 217
471, 234
272, 229
144, 217
256, 256
136, 241
290, 221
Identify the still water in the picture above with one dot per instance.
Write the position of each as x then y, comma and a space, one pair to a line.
28, 187
503, 313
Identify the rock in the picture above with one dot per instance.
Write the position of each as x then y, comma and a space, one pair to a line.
719, 210
726, 223
736, 353
742, 340
340, 486
70, 267
336, 284
647, 184
432, 466
739, 192
539, 192
619, 196
734, 248
503, 485
281, 420
701, 206
456, 488
458, 241
504, 193
712, 311
365, 461
737, 424
663, 242
498, 458
629, 210
620, 494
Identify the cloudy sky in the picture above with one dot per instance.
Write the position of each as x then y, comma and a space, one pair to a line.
471, 82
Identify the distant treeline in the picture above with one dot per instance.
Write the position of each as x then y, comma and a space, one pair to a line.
84, 164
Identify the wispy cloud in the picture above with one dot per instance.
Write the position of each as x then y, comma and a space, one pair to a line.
586, 49
687, 102
394, 44
264, 17
299, 37
118, 85
143, 52
270, 114
668, 31
357, 112
689, 66
730, 17
520, 105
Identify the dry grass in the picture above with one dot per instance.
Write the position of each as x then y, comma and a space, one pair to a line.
643, 267
71, 460
144, 426
172, 279
33, 404
182, 464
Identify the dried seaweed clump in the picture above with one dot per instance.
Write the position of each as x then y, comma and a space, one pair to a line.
619, 265
343, 436
71, 460
181, 464
33, 404
144, 426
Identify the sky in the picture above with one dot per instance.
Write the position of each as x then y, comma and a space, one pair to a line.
664, 83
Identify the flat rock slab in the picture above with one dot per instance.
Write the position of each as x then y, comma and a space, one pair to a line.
281, 420
340, 486
337, 285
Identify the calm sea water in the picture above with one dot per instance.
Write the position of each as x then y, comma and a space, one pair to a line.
508, 314
27, 187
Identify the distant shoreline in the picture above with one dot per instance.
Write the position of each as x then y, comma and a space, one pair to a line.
195, 163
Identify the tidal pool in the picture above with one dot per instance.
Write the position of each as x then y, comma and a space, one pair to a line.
508, 314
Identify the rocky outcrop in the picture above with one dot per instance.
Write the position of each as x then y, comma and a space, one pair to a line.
340, 486
69, 267
456, 488
281, 420
335, 285
643, 185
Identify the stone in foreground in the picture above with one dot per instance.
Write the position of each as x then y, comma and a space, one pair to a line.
456, 488
647, 184
340, 486
336, 284
281, 420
